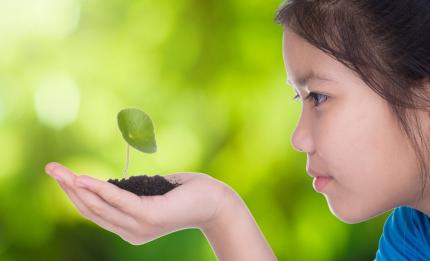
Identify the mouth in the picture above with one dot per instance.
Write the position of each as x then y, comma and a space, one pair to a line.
319, 183
320, 180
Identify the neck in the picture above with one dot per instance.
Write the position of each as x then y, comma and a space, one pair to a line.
423, 203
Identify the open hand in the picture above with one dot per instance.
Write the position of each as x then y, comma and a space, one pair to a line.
196, 203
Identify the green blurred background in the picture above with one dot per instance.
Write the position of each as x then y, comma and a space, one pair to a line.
210, 75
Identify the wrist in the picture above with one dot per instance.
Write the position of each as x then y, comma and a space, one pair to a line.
234, 233
228, 203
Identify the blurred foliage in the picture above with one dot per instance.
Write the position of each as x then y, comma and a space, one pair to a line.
210, 74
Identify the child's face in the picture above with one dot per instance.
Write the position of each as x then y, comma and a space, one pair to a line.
351, 136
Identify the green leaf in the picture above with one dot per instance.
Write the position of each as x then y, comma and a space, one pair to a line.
137, 129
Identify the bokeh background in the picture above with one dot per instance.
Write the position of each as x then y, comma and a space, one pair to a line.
210, 75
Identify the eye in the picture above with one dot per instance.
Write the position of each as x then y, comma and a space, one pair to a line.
317, 98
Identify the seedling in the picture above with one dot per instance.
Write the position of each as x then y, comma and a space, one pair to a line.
138, 131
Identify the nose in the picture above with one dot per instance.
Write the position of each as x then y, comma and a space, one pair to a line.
301, 139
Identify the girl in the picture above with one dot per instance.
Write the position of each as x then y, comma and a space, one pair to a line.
362, 71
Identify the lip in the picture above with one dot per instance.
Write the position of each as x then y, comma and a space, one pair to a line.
316, 174
320, 181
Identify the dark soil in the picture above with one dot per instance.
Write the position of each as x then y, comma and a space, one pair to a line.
144, 185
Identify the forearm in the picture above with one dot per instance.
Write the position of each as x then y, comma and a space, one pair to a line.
235, 236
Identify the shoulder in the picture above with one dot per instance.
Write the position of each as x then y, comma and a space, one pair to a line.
406, 235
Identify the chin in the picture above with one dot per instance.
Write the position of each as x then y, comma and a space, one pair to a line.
350, 219
347, 217
351, 214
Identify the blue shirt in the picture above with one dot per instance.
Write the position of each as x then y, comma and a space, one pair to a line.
406, 236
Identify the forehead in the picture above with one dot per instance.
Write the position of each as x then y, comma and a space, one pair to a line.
304, 62
305, 78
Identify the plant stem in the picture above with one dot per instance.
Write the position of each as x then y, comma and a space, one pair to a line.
124, 174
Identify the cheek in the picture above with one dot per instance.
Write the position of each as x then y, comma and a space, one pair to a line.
374, 167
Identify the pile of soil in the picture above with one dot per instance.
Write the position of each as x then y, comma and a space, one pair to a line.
144, 185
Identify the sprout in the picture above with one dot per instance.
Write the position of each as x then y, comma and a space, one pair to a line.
138, 131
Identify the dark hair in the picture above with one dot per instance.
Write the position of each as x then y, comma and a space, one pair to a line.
385, 42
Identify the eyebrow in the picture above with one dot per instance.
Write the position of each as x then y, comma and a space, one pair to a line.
304, 79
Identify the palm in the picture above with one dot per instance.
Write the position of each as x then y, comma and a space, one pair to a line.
142, 219
199, 194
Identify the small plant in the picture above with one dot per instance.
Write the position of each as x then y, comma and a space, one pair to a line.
138, 131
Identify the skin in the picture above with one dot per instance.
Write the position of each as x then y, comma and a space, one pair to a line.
351, 135
199, 202
140, 219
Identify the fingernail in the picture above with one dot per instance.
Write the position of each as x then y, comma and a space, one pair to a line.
50, 167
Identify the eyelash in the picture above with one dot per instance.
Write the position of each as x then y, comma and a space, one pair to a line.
313, 96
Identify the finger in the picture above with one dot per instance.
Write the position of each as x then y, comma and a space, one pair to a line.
93, 207
119, 198
87, 213
105, 211
60, 173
